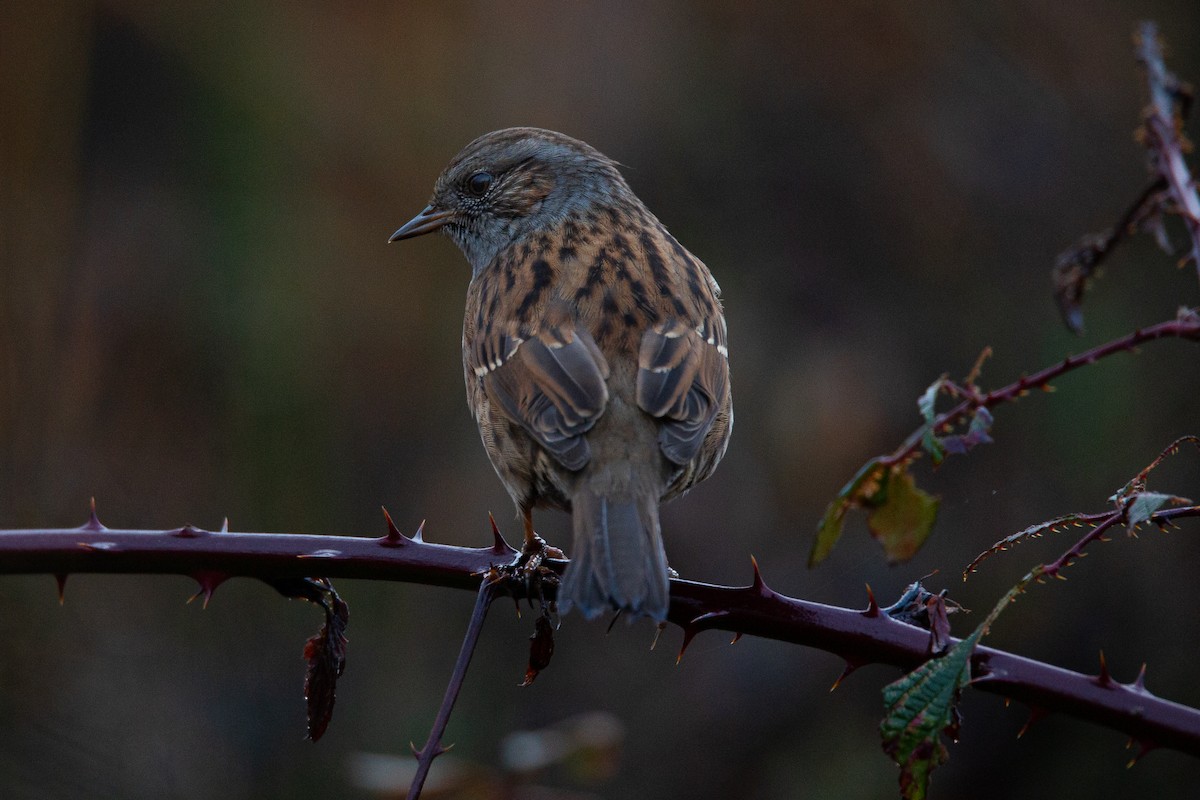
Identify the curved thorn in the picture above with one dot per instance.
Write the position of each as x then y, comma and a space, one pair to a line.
872, 604
500, 545
705, 618
696, 625
394, 537
759, 586
850, 667
1144, 746
419, 536
736, 637
689, 633
1036, 714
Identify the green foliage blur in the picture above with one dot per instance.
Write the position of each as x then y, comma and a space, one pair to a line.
200, 317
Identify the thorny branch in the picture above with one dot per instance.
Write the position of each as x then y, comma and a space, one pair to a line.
1163, 136
859, 636
1185, 326
1171, 190
1074, 268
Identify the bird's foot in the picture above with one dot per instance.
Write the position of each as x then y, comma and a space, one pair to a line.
528, 575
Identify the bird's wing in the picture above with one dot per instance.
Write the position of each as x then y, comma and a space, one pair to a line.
683, 378
549, 381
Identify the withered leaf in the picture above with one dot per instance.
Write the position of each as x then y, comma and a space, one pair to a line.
541, 647
326, 656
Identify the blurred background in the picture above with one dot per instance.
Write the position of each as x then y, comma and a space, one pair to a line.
200, 318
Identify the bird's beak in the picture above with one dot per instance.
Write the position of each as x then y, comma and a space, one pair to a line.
430, 219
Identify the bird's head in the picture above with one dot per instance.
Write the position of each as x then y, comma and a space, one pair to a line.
511, 183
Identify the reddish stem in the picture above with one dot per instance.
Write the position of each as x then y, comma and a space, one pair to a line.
1182, 328
856, 636
433, 745
1162, 127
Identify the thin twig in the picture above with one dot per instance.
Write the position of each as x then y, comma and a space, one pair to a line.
1074, 267
1164, 517
1163, 134
1183, 327
433, 745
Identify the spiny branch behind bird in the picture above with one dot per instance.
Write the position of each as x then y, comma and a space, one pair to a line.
901, 515
902, 520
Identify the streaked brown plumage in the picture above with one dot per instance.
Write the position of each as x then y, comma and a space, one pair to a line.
594, 351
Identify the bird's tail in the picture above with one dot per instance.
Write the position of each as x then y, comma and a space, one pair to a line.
618, 561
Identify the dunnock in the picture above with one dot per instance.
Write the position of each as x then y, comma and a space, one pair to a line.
594, 350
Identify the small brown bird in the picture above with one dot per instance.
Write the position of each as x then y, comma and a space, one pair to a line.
594, 350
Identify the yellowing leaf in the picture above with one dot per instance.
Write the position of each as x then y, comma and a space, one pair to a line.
904, 519
861, 491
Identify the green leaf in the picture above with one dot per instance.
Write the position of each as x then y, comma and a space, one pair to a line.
903, 518
923, 704
929, 439
1146, 503
920, 707
861, 491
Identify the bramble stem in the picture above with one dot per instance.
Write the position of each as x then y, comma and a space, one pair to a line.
1184, 327
433, 745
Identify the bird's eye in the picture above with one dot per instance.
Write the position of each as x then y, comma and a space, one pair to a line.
478, 183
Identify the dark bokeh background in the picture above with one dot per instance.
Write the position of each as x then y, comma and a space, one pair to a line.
199, 317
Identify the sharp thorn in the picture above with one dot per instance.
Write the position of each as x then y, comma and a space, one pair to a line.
689, 633
499, 544
225, 525
93, 523
209, 581
61, 579
1143, 748
696, 625
1104, 679
1139, 683
872, 604
394, 537
759, 585
658, 630
419, 536
612, 622
736, 638
846, 671
1036, 714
